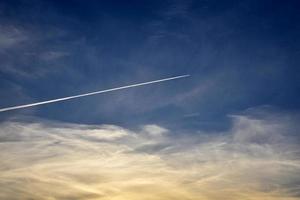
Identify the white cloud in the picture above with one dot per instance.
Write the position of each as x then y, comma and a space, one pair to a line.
154, 130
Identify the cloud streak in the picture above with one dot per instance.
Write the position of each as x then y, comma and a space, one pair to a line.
257, 158
91, 93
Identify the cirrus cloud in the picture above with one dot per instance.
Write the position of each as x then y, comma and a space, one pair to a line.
257, 158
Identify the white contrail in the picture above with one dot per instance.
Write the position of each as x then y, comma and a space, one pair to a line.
88, 94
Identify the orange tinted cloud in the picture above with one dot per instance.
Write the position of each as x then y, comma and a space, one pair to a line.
255, 159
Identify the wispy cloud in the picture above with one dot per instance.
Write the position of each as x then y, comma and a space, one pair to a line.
161, 28
26, 50
257, 158
11, 36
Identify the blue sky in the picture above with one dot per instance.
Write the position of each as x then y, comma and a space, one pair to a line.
240, 54
243, 57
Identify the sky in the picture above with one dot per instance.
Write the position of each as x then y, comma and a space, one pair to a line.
228, 131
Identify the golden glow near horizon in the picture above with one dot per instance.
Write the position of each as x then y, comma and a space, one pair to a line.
45, 160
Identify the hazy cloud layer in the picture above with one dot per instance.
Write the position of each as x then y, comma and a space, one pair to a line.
257, 158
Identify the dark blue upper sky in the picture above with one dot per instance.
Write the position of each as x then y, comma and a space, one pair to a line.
241, 54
